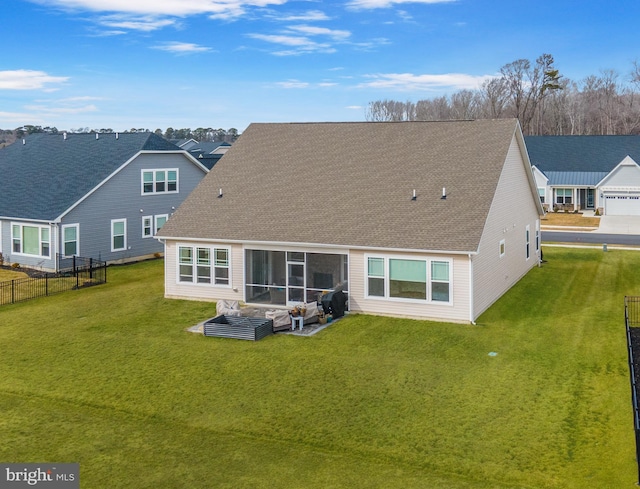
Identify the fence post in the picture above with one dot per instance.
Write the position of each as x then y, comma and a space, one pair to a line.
46, 285
13, 285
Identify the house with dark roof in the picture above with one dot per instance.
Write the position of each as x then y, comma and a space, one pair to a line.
431, 220
587, 172
208, 153
101, 196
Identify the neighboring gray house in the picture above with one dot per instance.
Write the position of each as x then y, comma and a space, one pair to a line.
587, 172
100, 196
431, 220
209, 153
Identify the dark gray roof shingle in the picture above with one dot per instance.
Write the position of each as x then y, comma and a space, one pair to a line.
581, 153
46, 175
350, 184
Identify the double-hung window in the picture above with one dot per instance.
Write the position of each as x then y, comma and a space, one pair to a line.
70, 234
31, 240
564, 196
440, 281
203, 265
118, 234
147, 226
527, 237
160, 220
160, 181
408, 279
152, 224
376, 277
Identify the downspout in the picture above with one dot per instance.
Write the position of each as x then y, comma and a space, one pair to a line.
471, 320
58, 241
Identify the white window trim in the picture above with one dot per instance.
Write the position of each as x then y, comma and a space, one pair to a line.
502, 248
151, 232
40, 228
527, 239
427, 259
537, 235
212, 264
155, 170
114, 221
65, 226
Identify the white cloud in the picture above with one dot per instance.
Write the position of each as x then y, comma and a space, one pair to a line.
177, 8
409, 81
371, 4
320, 31
28, 80
302, 44
309, 16
292, 84
144, 24
354, 107
182, 47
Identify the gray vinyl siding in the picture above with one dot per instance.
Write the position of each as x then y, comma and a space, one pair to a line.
512, 209
121, 197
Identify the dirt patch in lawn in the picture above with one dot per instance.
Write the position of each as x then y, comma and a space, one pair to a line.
569, 219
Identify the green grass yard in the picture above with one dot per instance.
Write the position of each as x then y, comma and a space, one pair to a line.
109, 378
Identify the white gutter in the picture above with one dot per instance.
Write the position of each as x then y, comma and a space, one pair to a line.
291, 244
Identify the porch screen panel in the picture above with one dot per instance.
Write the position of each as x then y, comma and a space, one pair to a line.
265, 276
408, 278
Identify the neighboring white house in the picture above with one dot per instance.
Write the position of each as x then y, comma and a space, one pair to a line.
430, 220
587, 172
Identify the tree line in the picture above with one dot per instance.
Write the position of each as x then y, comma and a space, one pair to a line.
544, 101
200, 134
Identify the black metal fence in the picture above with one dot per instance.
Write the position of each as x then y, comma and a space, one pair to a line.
81, 272
632, 324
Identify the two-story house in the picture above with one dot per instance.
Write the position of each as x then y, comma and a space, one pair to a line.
102, 196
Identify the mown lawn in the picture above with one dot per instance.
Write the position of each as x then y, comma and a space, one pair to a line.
109, 378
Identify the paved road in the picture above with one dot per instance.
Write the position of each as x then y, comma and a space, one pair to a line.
589, 238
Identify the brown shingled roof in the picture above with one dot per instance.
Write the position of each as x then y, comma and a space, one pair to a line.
350, 184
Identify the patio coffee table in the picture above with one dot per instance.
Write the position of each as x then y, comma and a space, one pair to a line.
297, 320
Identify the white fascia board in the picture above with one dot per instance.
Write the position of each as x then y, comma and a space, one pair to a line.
324, 246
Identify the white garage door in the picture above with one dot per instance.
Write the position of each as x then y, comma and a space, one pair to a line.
622, 205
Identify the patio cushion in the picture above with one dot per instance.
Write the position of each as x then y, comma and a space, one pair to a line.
281, 319
228, 308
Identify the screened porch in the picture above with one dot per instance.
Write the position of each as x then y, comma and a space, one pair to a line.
289, 277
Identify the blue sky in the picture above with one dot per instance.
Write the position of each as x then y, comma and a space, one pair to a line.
125, 64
